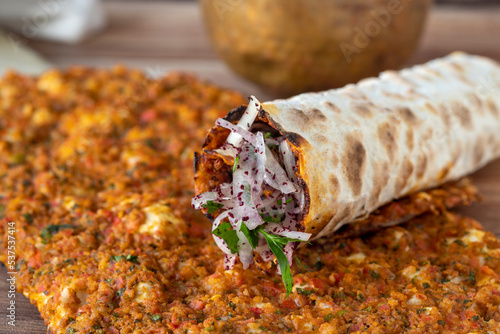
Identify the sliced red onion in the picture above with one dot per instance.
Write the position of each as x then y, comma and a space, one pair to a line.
277, 177
278, 229
235, 129
272, 142
288, 159
245, 250
202, 199
229, 261
227, 150
245, 122
257, 171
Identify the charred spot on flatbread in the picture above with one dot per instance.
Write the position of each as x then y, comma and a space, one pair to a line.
404, 174
407, 115
388, 134
332, 107
354, 160
492, 107
363, 110
463, 114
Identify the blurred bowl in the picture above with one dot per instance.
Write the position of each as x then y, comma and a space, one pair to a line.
294, 46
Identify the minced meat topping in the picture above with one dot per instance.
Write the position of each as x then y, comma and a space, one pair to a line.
96, 170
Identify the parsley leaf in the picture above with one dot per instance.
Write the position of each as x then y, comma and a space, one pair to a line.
235, 163
252, 235
225, 232
276, 244
50, 230
155, 317
472, 277
304, 292
271, 219
212, 206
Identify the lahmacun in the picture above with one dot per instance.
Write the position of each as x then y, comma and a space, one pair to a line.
96, 169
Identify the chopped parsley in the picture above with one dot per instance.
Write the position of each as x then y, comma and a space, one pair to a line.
275, 242
212, 206
155, 317
304, 292
472, 277
29, 218
328, 317
229, 235
235, 163
280, 202
252, 235
50, 230
426, 285
271, 219
268, 134
130, 258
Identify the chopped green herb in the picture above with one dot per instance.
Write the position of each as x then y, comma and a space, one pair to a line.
212, 206
277, 312
132, 258
441, 322
120, 292
29, 218
467, 301
252, 235
472, 277
460, 242
155, 317
475, 317
368, 309
235, 163
232, 305
225, 232
318, 265
420, 310
328, 317
342, 312
426, 285
444, 281
405, 320
50, 230
270, 219
374, 274
304, 292
280, 202
267, 135
276, 244
262, 328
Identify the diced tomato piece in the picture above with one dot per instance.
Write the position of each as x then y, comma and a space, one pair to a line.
289, 303
257, 311
148, 115
197, 304
35, 261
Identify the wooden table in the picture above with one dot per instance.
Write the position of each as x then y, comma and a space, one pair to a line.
161, 36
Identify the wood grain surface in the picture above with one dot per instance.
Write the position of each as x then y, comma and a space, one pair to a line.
163, 36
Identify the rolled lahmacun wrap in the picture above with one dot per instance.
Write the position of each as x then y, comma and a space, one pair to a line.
354, 150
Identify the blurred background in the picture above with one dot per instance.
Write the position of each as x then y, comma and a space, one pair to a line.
162, 36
